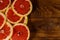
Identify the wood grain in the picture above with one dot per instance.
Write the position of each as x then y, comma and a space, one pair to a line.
44, 20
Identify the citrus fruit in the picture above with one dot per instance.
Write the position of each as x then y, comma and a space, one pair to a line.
22, 7
4, 4
20, 32
24, 20
6, 32
12, 17
2, 20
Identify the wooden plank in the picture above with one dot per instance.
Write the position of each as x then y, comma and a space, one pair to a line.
44, 21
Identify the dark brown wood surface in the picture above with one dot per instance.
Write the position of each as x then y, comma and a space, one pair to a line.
44, 20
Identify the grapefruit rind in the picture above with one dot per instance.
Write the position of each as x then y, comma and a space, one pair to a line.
11, 21
21, 14
26, 20
4, 20
6, 7
25, 27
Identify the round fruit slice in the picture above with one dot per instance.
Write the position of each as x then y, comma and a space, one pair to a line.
6, 32
2, 20
4, 4
20, 32
22, 7
24, 20
12, 17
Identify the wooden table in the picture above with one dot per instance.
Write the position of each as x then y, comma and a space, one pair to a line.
44, 21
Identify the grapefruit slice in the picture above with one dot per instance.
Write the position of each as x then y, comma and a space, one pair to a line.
6, 32
24, 20
22, 7
12, 17
20, 32
2, 20
4, 4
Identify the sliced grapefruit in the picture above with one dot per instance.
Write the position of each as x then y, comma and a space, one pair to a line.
22, 7
4, 4
6, 32
20, 32
2, 20
24, 20
12, 17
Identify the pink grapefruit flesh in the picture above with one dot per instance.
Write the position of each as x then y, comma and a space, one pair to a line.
4, 4
1, 20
